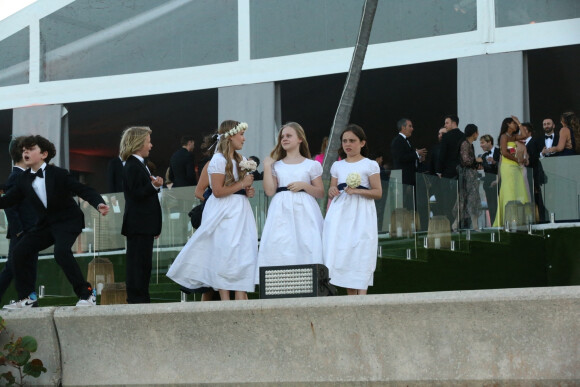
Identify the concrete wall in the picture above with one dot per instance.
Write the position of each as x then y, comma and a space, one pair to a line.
494, 336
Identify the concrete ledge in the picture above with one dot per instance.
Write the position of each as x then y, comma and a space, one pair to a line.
38, 323
469, 337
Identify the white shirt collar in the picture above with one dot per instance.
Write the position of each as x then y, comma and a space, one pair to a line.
43, 167
405, 137
139, 157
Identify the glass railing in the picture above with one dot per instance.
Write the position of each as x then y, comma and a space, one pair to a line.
411, 222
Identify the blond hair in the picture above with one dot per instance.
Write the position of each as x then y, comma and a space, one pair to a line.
225, 148
278, 153
132, 140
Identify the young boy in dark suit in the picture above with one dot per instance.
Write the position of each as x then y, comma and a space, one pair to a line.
142, 217
21, 217
50, 190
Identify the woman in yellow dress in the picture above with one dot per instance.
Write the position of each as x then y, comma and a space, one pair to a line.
512, 182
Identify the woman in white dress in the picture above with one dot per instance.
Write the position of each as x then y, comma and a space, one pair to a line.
293, 231
222, 253
350, 237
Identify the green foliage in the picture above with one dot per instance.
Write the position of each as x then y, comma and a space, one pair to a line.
17, 354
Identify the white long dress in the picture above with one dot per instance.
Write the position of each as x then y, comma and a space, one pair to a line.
223, 252
350, 237
292, 234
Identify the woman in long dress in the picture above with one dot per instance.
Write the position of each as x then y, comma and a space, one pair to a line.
293, 231
222, 253
512, 182
469, 201
350, 237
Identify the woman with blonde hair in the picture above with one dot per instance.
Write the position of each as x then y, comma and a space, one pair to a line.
222, 253
294, 218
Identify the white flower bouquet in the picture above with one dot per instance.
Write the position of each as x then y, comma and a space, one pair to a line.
248, 166
353, 180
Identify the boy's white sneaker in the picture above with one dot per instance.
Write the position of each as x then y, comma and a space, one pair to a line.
91, 301
21, 304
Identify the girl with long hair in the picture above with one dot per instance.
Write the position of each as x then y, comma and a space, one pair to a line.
293, 231
222, 253
567, 145
350, 237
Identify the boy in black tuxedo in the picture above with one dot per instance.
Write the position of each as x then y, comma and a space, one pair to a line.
50, 191
142, 217
21, 217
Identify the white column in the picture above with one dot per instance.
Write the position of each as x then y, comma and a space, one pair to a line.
491, 88
259, 106
49, 121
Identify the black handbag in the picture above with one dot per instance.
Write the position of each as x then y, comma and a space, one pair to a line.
197, 211
195, 215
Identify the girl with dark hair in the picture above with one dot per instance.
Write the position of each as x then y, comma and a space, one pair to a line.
512, 182
468, 203
567, 143
294, 219
222, 252
350, 237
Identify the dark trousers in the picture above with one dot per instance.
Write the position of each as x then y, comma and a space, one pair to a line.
491, 198
7, 274
139, 264
449, 195
26, 258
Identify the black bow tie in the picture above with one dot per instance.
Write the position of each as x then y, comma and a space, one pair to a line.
39, 173
549, 137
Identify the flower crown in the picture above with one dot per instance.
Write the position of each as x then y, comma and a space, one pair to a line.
242, 126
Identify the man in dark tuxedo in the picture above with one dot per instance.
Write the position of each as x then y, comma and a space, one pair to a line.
406, 158
551, 137
533, 149
182, 164
489, 162
21, 217
447, 162
49, 190
142, 217
115, 175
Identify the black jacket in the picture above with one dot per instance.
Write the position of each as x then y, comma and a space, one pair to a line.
449, 153
404, 158
22, 216
182, 169
62, 212
142, 209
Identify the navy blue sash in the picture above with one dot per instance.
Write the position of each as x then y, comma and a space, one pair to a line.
282, 189
240, 192
342, 186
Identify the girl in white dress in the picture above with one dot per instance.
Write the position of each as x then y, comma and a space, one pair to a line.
350, 237
222, 253
292, 234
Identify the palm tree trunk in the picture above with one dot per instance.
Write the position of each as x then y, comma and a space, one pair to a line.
342, 117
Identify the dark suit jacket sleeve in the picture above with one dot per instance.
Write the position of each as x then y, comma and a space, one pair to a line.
14, 223
442, 154
14, 195
190, 169
83, 191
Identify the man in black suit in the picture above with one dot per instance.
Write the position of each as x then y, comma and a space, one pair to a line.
551, 137
533, 149
142, 217
489, 162
182, 164
446, 164
406, 158
49, 190
21, 217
